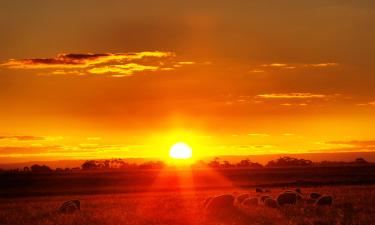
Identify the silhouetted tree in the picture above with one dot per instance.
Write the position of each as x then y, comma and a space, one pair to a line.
287, 161
246, 163
59, 170
360, 161
226, 164
89, 165
152, 165
40, 169
214, 163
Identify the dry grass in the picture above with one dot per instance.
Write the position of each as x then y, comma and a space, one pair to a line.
353, 205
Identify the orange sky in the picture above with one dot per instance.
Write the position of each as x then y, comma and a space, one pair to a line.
101, 79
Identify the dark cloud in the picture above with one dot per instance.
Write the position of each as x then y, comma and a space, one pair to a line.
114, 64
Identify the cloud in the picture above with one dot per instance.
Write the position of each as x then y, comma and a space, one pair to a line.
351, 146
257, 71
295, 95
322, 65
80, 60
292, 66
19, 150
113, 64
258, 135
22, 138
361, 143
275, 65
122, 70
367, 104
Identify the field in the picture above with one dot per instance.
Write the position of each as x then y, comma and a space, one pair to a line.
176, 196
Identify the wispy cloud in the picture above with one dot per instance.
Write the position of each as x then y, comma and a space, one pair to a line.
275, 65
362, 143
257, 71
258, 135
351, 146
367, 104
295, 95
292, 66
322, 64
22, 138
113, 64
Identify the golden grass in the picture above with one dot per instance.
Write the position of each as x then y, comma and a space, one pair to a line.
353, 206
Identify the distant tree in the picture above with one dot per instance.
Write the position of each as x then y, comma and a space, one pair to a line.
40, 169
287, 161
360, 161
26, 169
152, 165
59, 170
89, 165
214, 163
226, 164
244, 163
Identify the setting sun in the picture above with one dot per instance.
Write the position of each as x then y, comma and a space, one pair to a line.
180, 151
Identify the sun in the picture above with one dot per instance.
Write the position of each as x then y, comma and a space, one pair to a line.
180, 151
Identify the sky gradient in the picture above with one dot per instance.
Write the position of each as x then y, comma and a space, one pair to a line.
101, 79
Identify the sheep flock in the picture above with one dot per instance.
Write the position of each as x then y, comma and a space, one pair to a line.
226, 205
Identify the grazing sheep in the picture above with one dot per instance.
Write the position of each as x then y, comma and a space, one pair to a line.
271, 203
325, 200
70, 206
220, 203
288, 197
315, 195
242, 197
264, 197
259, 190
250, 202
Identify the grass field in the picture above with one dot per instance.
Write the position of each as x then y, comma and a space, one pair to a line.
182, 203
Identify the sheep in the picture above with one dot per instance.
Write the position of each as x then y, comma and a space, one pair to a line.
220, 203
325, 200
242, 197
259, 190
222, 208
271, 203
70, 206
250, 202
315, 195
288, 197
264, 197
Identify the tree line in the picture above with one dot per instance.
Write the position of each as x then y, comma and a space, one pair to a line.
216, 163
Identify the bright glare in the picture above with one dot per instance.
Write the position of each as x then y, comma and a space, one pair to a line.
180, 151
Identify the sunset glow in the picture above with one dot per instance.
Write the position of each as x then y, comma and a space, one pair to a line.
240, 79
